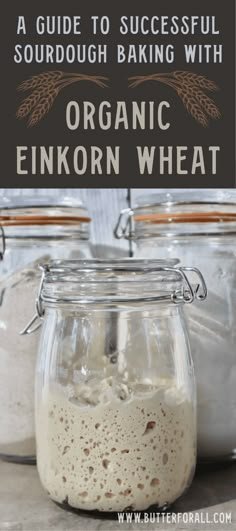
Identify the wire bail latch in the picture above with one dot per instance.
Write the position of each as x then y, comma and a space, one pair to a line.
2, 252
191, 292
125, 225
186, 294
29, 328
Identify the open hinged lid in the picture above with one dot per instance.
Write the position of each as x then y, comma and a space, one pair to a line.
179, 212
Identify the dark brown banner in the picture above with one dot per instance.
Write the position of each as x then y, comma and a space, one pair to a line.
121, 95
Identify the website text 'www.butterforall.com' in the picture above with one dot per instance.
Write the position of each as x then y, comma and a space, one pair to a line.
223, 518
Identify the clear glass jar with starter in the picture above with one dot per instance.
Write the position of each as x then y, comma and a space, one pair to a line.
31, 231
115, 393
200, 226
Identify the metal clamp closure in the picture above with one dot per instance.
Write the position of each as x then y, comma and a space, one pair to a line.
2, 252
29, 328
125, 225
187, 294
190, 292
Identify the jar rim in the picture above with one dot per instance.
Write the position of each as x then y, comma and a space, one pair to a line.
179, 207
119, 280
16, 219
40, 201
41, 221
186, 217
128, 265
180, 213
181, 197
41, 210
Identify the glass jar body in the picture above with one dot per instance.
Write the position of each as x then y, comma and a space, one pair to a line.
212, 332
115, 406
19, 280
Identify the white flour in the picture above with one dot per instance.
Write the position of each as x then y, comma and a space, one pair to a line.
17, 362
212, 334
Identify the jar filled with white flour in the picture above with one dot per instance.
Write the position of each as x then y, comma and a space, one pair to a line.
199, 226
30, 233
115, 393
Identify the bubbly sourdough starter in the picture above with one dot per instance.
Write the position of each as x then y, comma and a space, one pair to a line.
118, 453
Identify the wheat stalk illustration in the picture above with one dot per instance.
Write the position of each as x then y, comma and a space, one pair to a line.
45, 88
191, 89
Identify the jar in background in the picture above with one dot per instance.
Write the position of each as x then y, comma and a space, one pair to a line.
31, 231
200, 226
115, 393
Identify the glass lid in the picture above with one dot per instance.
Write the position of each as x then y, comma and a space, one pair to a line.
187, 196
179, 213
42, 210
181, 206
118, 280
87, 283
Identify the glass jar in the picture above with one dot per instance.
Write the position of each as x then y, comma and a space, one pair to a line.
30, 233
200, 225
115, 393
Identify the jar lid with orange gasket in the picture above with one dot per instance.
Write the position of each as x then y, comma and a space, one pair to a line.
42, 217
179, 212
